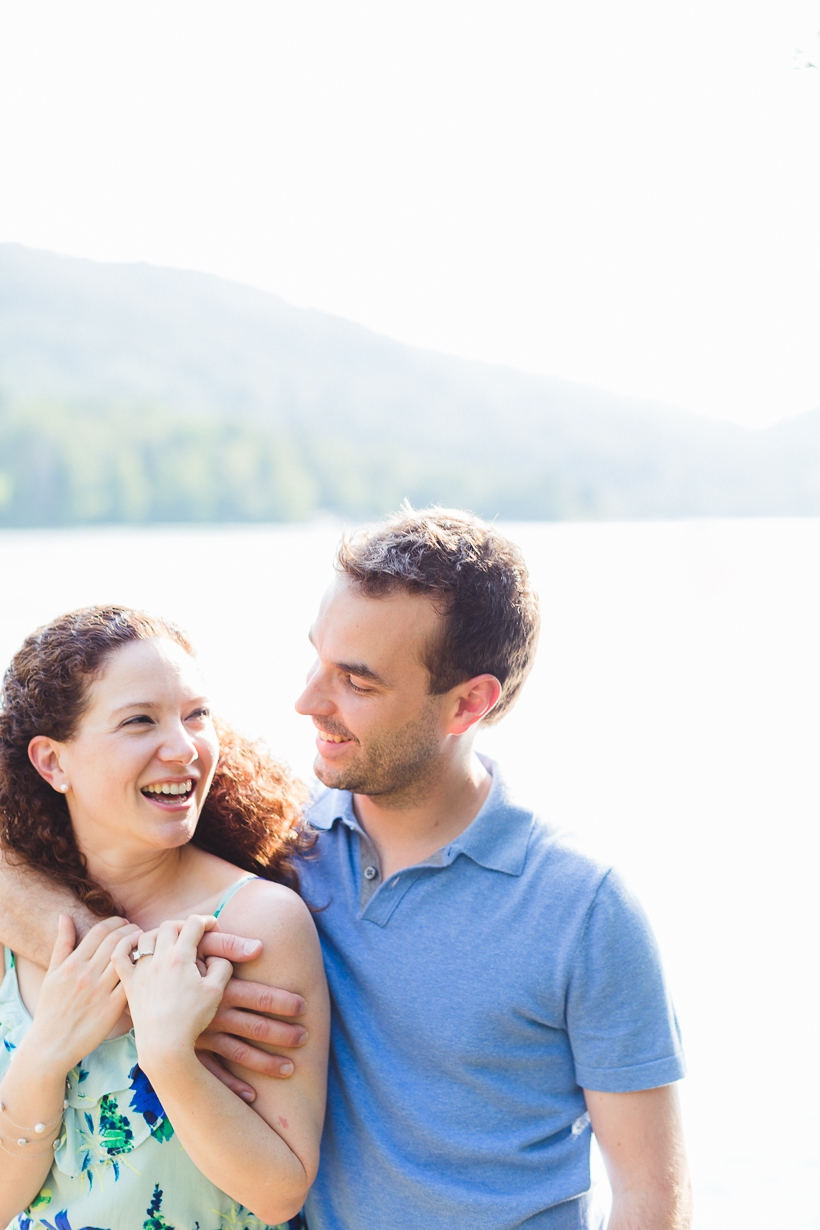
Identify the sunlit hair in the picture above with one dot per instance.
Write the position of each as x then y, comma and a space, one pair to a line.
252, 811
476, 578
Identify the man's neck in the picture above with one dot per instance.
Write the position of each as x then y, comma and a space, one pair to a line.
405, 833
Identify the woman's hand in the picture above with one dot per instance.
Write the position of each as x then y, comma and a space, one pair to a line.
81, 997
172, 995
246, 1017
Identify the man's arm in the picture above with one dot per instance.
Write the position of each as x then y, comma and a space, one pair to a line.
30, 908
641, 1139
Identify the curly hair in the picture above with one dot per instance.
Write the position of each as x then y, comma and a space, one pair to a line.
251, 815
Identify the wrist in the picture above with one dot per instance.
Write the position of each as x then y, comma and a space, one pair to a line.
46, 1056
159, 1057
35, 1132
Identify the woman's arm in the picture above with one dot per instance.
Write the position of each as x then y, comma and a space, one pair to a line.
265, 1157
79, 1004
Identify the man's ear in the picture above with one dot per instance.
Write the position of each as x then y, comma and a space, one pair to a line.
44, 754
473, 701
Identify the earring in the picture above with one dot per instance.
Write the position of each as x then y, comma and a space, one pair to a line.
64, 788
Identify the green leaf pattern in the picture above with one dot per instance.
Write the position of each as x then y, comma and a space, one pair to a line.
118, 1161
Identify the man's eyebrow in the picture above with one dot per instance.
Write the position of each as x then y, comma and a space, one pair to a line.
359, 670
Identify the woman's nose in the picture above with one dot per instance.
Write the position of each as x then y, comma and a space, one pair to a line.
179, 746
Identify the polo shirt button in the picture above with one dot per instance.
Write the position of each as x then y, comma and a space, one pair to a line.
370, 873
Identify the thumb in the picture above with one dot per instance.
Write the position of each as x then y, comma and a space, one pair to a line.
219, 973
64, 943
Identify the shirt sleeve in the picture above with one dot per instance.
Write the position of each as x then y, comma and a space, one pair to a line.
622, 1026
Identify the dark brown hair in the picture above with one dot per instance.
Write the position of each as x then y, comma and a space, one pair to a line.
474, 576
252, 811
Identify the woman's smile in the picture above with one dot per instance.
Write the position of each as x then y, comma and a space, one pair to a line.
171, 795
104, 724
145, 740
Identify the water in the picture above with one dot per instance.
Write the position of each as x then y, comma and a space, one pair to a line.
672, 722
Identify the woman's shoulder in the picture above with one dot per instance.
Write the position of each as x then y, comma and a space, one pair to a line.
219, 885
291, 956
262, 909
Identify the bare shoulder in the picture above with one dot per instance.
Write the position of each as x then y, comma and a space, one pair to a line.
279, 918
272, 906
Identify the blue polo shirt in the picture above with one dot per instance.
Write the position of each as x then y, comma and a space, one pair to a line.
474, 996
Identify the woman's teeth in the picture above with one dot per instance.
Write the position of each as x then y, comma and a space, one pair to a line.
170, 788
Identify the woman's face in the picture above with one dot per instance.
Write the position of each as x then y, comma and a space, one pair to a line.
141, 762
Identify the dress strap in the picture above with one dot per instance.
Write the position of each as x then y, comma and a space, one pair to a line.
232, 891
8, 959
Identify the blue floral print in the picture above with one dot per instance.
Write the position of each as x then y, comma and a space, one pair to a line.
117, 1150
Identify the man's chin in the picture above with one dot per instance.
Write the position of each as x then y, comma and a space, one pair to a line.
335, 778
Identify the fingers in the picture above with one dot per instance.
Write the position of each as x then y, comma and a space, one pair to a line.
109, 976
184, 936
121, 959
167, 934
124, 934
91, 942
259, 1028
219, 973
246, 1092
96, 946
148, 939
118, 998
245, 1056
64, 943
259, 998
232, 947
174, 936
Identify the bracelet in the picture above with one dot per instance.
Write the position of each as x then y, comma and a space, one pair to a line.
26, 1157
39, 1128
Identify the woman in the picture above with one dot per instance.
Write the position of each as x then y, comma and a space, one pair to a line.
112, 783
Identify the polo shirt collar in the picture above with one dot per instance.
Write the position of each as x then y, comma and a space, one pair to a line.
328, 806
497, 838
499, 835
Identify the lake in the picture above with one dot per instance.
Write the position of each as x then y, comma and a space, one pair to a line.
672, 723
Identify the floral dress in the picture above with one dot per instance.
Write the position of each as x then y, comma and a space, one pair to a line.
118, 1164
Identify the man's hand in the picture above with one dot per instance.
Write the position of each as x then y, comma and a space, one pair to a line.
240, 1016
641, 1139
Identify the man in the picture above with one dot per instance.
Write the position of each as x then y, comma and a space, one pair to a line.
496, 995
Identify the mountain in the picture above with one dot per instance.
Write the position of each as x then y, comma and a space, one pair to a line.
134, 393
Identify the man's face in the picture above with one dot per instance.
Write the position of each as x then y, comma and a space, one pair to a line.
380, 732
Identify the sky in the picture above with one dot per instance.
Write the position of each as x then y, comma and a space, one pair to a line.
622, 195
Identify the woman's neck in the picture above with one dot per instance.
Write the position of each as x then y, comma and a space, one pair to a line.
148, 886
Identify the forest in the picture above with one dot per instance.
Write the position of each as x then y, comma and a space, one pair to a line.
135, 394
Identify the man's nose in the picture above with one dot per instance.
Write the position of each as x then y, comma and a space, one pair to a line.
314, 699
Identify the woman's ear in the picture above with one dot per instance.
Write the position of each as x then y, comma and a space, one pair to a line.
44, 754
